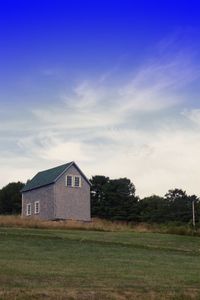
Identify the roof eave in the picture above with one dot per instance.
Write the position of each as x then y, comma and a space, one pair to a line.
73, 163
36, 188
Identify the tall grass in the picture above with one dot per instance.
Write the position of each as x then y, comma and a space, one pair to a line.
97, 225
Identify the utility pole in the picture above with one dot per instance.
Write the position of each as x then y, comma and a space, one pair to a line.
193, 214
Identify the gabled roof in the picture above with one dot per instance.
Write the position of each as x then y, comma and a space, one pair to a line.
48, 177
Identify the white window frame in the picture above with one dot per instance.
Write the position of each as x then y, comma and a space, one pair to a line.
37, 208
69, 175
73, 180
28, 209
77, 176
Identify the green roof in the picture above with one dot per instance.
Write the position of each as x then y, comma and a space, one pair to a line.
45, 177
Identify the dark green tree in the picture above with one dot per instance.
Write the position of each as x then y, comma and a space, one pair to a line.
152, 209
113, 199
97, 195
120, 200
180, 205
10, 198
175, 206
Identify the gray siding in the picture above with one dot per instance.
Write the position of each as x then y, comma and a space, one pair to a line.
45, 196
72, 202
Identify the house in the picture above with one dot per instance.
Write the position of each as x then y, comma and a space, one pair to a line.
59, 193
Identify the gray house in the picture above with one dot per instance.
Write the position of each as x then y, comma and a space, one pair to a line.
59, 193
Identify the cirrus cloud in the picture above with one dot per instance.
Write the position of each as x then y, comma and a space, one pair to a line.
143, 128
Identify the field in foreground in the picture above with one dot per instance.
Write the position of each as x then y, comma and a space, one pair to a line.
80, 264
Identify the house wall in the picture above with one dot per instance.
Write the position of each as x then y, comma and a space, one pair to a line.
72, 202
45, 196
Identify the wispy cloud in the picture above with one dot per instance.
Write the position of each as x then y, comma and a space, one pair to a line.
138, 128
192, 115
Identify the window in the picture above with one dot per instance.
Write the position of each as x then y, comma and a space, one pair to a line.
77, 181
73, 181
28, 209
37, 207
69, 181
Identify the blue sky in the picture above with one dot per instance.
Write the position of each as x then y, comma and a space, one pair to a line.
113, 85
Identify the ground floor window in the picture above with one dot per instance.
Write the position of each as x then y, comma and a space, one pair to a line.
37, 207
28, 209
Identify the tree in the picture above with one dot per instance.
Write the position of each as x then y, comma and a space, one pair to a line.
97, 194
180, 205
113, 199
152, 209
10, 198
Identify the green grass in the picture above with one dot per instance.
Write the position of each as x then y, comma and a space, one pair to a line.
78, 264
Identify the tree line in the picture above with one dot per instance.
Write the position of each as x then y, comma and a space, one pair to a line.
116, 199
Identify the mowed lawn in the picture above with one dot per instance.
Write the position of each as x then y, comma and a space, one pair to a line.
80, 264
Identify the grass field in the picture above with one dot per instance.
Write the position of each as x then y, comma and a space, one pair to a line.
86, 264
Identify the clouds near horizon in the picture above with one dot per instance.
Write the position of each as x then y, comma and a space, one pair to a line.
143, 127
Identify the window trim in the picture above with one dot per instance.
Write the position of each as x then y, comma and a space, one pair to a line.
28, 205
69, 175
73, 181
77, 176
38, 210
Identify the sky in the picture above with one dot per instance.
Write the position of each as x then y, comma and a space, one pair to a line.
111, 85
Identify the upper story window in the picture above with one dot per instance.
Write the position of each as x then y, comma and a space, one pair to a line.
69, 180
28, 209
37, 207
77, 181
73, 180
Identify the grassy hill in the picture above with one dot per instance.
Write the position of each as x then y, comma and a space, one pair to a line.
86, 264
